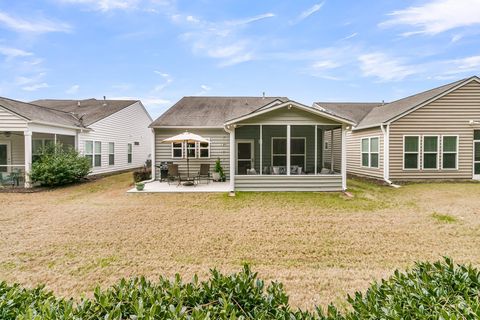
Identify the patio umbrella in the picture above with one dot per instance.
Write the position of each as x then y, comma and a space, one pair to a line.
186, 137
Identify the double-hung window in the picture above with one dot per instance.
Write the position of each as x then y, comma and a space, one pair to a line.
98, 154
129, 153
177, 150
430, 152
449, 152
370, 152
411, 150
111, 153
204, 149
191, 149
89, 151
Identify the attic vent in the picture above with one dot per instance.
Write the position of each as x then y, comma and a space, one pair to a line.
78, 103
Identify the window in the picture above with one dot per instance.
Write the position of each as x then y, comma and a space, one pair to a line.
192, 150
177, 150
98, 154
38, 145
297, 152
129, 153
89, 151
410, 152
370, 153
325, 147
111, 153
204, 149
430, 152
279, 151
449, 152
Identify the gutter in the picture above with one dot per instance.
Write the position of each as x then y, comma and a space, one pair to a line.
152, 179
386, 154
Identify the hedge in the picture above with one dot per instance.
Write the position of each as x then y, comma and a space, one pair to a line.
440, 290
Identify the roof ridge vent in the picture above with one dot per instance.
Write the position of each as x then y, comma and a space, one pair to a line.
78, 103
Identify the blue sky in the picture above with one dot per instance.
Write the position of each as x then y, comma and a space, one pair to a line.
161, 50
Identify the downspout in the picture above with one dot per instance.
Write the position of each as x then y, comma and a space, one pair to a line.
386, 153
153, 158
231, 132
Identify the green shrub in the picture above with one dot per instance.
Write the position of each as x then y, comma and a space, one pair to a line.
142, 174
59, 165
440, 290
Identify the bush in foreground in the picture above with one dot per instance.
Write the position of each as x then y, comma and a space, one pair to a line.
429, 291
58, 165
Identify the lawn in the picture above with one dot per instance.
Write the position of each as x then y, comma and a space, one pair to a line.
320, 245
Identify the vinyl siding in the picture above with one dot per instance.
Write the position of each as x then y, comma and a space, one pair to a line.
219, 148
288, 116
289, 183
354, 153
126, 126
449, 115
11, 122
17, 150
337, 149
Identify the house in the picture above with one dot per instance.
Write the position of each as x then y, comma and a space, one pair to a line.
114, 134
432, 135
264, 143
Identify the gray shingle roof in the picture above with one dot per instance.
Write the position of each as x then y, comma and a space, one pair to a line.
354, 111
210, 111
34, 112
92, 110
373, 114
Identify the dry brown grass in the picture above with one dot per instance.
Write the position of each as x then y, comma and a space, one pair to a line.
321, 246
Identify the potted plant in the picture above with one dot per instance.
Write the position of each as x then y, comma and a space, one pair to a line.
218, 174
139, 186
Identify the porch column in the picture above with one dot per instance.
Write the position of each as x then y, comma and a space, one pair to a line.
331, 151
316, 151
232, 159
288, 148
28, 157
261, 149
344, 158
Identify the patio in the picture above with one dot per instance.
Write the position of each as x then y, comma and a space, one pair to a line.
164, 187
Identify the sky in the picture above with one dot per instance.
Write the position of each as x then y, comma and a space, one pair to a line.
161, 50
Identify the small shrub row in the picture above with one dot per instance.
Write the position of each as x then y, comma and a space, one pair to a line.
142, 174
441, 290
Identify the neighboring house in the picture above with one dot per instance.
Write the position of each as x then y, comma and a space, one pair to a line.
264, 143
113, 133
433, 135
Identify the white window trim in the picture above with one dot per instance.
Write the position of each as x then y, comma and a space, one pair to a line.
97, 154
203, 148
418, 153
176, 148
109, 153
291, 154
131, 153
430, 152
89, 154
369, 152
450, 152
474, 176
195, 156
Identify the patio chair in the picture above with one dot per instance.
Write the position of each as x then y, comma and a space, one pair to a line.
173, 174
204, 172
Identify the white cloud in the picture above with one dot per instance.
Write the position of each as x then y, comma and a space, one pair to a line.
307, 13
464, 65
167, 81
73, 89
385, 68
106, 5
353, 35
35, 87
221, 40
436, 16
36, 25
23, 80
205, 90
325, 64
14, 52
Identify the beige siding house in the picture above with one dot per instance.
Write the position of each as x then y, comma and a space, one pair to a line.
433, 135
263, 143
114, 134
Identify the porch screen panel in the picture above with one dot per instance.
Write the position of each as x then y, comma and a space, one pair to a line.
302, 149
274, 149
251, 132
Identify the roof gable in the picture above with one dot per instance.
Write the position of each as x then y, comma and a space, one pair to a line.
399, 108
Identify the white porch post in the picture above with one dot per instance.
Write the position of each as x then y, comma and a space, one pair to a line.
288, 148
55, 138
316, 151
28, 157
261, 149
232, 159
332, 168
344, 158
